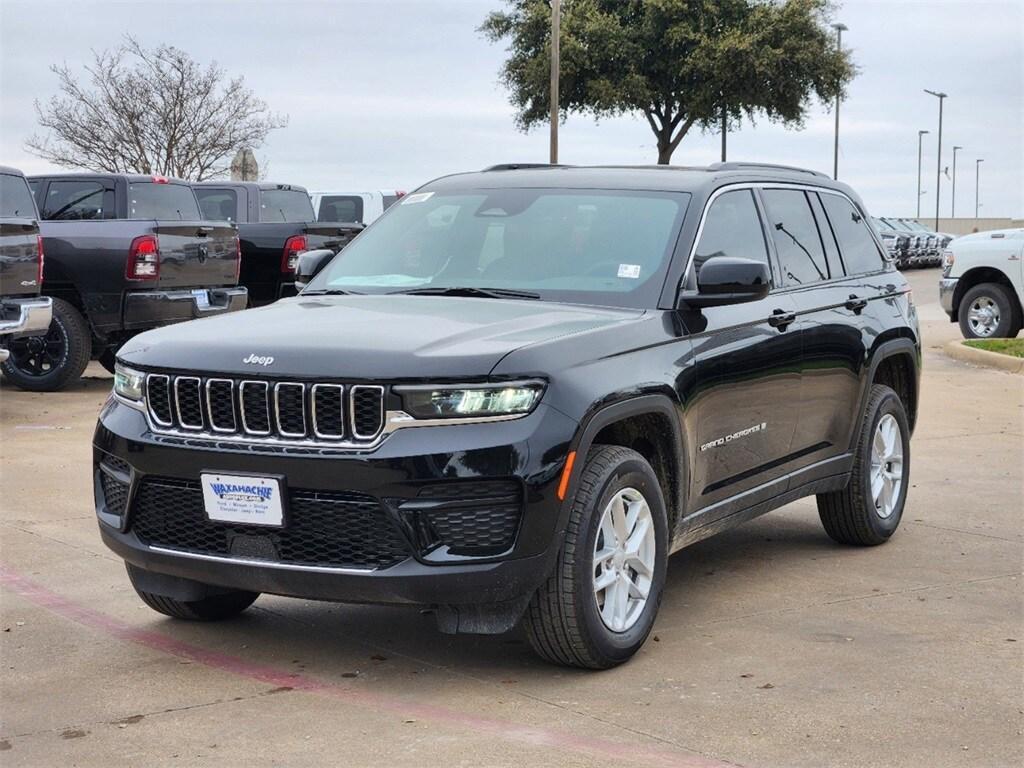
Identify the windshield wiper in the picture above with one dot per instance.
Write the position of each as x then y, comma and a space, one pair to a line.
330, 292
466, 290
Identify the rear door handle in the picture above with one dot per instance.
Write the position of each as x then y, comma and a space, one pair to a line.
855, 303
780, 319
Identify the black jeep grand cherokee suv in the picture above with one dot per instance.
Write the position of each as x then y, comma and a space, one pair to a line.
514, 395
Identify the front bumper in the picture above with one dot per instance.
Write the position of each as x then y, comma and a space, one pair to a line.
529, 452
151, 309
24, 317
947, 289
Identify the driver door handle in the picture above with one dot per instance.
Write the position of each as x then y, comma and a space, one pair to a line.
781, 319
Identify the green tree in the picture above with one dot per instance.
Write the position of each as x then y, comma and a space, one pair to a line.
681, 63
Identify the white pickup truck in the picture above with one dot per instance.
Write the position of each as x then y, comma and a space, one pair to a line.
362, 207
982, 285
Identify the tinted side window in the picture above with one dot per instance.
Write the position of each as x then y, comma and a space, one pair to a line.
828, 238
801, 257
78, 200
15, 199
732, 228
860, 253
341, 208
217, 204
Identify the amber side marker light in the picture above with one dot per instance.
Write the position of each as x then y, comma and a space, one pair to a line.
563, 484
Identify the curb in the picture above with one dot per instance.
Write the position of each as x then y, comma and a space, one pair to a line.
960, 351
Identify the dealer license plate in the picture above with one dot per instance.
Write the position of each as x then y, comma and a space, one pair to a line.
243, 499
202, 297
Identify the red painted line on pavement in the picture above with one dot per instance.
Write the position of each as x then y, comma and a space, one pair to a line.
505, 729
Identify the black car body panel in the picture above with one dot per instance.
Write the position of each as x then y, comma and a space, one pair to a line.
88, 242
265, 230
743, 407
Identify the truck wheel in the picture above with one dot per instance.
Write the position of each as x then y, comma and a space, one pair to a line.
868, 511
49, 363
597, 608
987, 311
212, 608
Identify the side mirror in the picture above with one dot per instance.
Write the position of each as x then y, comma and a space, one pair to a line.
310, 264
728, 280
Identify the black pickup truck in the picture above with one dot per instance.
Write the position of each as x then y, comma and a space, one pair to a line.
23, 312
276, 223
124, 253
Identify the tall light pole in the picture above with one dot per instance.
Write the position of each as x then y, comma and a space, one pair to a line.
919, 135
938, 167
839, 28
977, 176
952, 207
556, 22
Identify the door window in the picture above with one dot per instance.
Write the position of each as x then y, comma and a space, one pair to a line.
217, 204
66, 200
860, 252
731, 228
797, 241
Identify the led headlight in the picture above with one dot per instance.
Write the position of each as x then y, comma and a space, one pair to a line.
472, 400
128, 383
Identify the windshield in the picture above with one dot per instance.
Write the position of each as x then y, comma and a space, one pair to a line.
285, 205
15, 199
583, 246
162, 201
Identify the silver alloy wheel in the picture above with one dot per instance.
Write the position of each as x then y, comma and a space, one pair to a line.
886, 465
983, 316
624, 559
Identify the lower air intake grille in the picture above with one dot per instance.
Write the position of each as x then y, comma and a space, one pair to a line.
340, 530
473, 518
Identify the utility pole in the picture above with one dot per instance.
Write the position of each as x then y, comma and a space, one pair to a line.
839, 28
725, 129
977, 176
919, 135
556, 22
938, 167
952, 207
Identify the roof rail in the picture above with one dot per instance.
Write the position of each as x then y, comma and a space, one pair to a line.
517, 166
763, 166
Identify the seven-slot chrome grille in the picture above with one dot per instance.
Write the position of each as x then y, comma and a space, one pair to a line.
259, 409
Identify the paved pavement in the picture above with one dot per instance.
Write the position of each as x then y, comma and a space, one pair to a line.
774, 647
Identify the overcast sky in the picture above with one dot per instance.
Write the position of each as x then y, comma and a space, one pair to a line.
392, 94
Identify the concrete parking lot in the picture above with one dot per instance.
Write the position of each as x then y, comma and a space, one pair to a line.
774, 647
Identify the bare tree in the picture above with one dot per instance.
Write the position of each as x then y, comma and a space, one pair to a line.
140, 110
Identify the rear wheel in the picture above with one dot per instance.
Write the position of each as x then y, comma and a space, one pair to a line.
212, 608
988, 311
50, 362
599, 605
868, 511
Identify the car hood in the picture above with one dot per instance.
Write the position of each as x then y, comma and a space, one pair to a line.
366, 337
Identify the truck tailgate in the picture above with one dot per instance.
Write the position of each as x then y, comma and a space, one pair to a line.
19, 257
197, 254
330, 235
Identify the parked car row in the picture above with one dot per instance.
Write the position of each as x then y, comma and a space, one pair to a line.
127, 252
910, 243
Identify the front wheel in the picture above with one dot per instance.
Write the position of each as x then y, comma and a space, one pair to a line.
599, 605
868, 511
987, 311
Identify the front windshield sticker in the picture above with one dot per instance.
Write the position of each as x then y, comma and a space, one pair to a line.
419, 197
632, 271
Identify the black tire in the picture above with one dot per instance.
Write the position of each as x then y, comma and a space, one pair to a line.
850, 516
1002, 302
212, 608
107, 358
51, 362
563, 621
